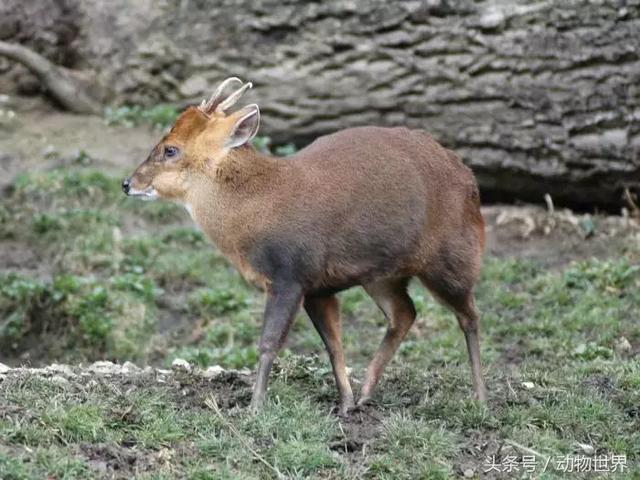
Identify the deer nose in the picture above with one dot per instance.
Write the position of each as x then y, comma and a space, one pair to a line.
126, 184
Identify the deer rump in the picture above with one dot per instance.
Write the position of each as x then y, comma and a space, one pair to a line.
367, 203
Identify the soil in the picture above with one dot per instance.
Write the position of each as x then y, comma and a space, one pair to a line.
191, 389
37, 140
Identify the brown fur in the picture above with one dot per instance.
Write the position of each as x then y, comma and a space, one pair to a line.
364, 206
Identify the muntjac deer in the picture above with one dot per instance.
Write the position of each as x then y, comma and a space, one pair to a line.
364, 206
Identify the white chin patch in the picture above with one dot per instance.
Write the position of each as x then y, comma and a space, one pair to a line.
148, 193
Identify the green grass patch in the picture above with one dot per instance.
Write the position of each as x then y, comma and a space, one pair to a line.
78, 317
160, 116
113, 278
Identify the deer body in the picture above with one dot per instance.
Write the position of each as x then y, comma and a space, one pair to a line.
346, 210
365, 206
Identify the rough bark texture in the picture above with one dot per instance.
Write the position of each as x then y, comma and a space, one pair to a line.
537, 96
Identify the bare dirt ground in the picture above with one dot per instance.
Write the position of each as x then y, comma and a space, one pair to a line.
36, 140
194, 389
188, 386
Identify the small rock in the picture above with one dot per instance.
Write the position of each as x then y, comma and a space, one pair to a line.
213, 372
81, 157
4, 369
104, 367
60, 381
179, 364
128, 368
99, 466
50, 151
61, 369
528, 385
586, 448
8, 119
469, 473
34, 371
622, 345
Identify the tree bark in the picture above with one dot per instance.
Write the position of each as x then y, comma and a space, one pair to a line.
537, 96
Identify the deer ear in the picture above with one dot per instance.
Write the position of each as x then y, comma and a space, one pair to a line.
245, 127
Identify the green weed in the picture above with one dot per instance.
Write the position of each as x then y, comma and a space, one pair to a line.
160, 116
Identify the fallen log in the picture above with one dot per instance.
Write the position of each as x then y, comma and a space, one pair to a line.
539, 97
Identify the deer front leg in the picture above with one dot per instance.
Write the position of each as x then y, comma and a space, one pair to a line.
283, 302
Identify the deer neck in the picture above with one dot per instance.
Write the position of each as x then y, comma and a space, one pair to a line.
231, 199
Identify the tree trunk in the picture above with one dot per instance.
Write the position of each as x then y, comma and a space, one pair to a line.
537, 96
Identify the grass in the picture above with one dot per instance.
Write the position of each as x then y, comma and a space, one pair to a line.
123, 280
423, 426
161, 116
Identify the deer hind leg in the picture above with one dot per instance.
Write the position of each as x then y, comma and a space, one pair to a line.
457, 295
324, 312
392, 298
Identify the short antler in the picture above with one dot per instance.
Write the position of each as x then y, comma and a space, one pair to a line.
220, 104
233, 98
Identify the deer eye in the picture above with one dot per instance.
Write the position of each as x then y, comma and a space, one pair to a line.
170, 152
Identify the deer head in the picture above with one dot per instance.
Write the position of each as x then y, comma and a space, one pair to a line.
200, 139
